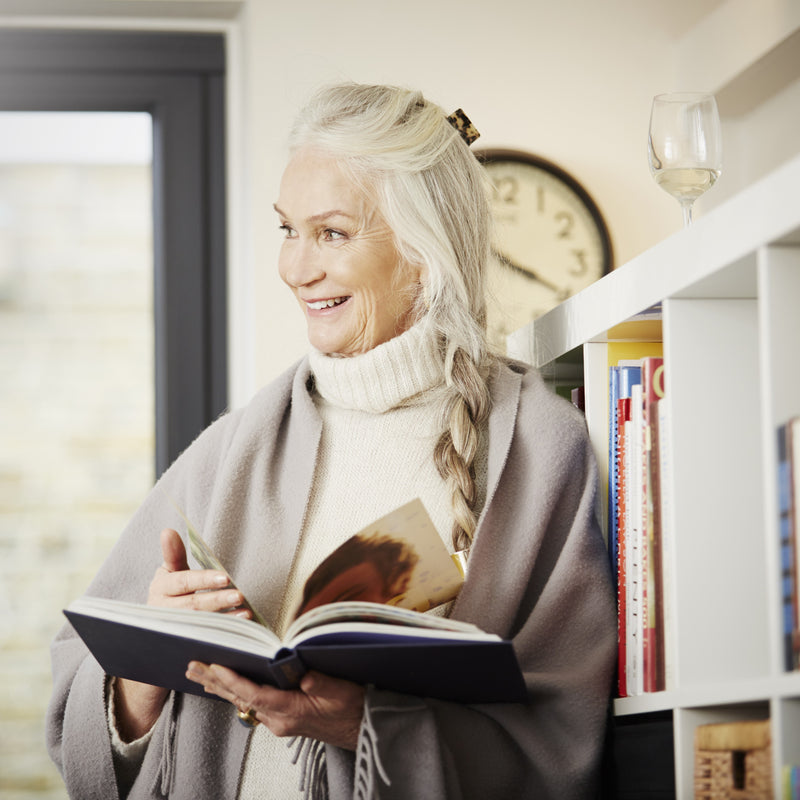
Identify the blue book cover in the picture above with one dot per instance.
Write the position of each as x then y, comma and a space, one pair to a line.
788, 571
155, 646
620, 380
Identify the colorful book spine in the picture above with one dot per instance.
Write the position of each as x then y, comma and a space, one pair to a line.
788, 477
623, 413
652, 392
793, 453
621, 377
790, 788
613, 468
665, 516
637, 600
788, 560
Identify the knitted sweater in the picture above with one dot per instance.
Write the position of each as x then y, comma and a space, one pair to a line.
379, 427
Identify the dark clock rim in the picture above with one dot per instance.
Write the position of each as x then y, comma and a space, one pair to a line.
489, 155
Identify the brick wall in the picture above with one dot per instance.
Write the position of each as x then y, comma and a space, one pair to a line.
76, 418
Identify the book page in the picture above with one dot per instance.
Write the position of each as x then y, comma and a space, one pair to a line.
375, 613
203, 626
390, 629
398, 560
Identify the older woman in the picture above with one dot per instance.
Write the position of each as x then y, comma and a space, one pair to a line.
386, 236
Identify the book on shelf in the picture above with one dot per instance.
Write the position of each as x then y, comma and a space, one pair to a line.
788, 478
652, 393
621, 377
388, 643
624, 370
635, 549
623, 416
633, 470
664, 456
790, 782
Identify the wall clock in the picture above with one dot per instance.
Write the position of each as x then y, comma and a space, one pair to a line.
550, 239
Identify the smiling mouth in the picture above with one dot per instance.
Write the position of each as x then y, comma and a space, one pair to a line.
318, 305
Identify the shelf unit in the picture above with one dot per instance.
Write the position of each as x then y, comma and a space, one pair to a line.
724, 297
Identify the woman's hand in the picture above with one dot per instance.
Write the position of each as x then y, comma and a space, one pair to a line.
137, 706
177, 586
324, 708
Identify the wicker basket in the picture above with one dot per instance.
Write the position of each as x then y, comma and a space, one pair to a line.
733, 761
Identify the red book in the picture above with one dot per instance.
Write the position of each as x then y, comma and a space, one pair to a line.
652, 392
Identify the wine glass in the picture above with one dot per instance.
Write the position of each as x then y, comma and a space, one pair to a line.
685, 146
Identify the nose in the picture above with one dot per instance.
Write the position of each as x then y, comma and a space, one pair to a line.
299, 264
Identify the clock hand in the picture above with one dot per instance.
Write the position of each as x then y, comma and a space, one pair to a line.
525, 271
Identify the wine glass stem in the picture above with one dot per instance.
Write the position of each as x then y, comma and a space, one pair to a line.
687, 214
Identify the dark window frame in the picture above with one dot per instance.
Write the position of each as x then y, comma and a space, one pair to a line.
179, 78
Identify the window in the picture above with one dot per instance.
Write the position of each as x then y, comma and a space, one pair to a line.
112, 321
179, 80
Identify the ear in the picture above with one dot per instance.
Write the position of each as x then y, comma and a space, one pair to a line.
420, 273
412, 274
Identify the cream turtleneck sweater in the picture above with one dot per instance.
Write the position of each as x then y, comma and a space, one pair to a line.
380, 425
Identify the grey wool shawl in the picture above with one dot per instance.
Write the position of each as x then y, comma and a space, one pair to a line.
538, 575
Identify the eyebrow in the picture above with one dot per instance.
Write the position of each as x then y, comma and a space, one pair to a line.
321, 217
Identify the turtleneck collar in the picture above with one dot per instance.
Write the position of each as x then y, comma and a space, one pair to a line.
383, 377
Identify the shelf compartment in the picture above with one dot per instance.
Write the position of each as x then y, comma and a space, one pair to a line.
686, 721
786, 727
779, 334
718, 560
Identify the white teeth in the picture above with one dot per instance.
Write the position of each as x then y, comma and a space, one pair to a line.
317, 305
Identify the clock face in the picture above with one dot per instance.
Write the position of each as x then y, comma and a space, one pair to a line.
550, 239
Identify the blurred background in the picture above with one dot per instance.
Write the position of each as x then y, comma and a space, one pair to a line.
81, 227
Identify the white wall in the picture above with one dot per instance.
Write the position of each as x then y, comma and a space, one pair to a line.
571, 81
749, 54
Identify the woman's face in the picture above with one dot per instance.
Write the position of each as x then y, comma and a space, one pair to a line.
340, 260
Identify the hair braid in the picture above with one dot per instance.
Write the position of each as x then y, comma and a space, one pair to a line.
466, 408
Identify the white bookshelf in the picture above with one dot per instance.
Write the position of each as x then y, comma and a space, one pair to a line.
729, 289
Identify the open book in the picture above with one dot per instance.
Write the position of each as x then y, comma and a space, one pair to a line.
399, 559
389, 644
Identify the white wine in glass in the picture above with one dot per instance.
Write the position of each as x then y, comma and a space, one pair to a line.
684, 146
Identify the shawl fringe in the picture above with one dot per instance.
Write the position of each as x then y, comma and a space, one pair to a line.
313, 767
368, 761
369, 770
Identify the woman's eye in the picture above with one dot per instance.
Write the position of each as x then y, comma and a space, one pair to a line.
332, 235
288, 231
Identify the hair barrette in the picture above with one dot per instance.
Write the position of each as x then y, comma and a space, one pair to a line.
461, 122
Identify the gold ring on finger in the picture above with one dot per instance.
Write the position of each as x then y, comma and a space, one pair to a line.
247, 718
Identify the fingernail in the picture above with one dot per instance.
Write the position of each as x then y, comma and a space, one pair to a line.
221, 580
234, 598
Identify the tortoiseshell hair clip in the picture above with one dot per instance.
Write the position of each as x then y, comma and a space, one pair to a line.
461, 122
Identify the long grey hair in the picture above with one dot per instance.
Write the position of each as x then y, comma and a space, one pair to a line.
432, 192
